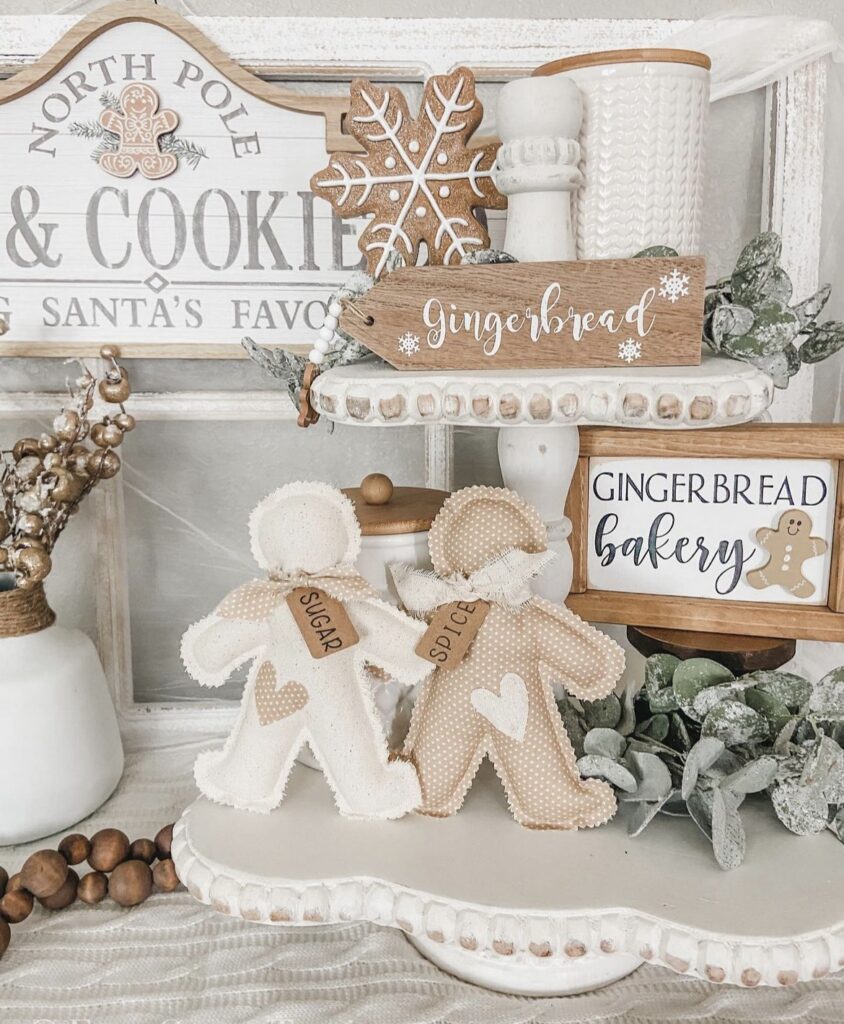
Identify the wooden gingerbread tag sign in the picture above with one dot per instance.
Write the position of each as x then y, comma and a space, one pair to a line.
634, 312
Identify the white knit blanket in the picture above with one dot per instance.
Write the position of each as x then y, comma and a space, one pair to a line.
172, 960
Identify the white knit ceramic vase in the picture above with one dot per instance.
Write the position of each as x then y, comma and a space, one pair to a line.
61, 755
642, 141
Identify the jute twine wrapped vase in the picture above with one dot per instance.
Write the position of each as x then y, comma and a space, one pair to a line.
642, 142
61, 755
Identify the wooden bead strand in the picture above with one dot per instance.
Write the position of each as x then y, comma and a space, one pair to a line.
327, 334
126, 871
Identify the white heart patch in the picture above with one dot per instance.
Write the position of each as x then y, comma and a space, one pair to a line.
508, 713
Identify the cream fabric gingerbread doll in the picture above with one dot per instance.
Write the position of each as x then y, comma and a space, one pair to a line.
487, 543
305, 535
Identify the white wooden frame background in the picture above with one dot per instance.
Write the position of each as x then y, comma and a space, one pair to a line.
326, 48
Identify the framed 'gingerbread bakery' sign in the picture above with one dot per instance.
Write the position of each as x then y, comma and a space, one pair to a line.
155, 195
735, 530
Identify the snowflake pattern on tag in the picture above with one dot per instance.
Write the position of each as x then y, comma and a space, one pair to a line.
629, 350
673, 286
409, 343
418, 177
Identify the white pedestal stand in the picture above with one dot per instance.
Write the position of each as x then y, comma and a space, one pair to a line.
506, 907
538, 913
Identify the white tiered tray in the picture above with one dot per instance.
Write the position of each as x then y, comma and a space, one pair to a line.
717, 393
525, 911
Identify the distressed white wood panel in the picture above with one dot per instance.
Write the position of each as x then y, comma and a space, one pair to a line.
793, 199
412, 47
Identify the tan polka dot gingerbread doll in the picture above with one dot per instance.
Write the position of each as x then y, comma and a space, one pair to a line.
488, 543
306, 536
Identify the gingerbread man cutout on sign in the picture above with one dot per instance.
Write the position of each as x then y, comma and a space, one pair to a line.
789, 545
138, 129
486, 544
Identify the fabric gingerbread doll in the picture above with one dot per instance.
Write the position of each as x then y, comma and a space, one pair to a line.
487, 543
306, 536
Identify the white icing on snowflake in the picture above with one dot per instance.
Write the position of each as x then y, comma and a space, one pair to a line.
409, 344
406, 155
673, 286
629, 350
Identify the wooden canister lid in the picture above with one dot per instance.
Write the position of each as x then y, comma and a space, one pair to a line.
587, 60
383, 509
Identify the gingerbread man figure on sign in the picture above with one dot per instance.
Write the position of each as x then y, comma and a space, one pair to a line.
138, 129
492, 691
311, 630
788, 545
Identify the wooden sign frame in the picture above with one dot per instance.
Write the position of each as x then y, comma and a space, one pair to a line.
331, 108
704, 615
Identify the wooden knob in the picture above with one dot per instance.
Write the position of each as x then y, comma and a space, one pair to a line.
376, 489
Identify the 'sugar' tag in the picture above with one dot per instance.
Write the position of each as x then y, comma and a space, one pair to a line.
322, 621
451, 632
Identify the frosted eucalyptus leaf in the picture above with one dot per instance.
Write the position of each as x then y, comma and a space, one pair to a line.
699, 803
735, 724
712, 695
602, 714
762, 251
774, 327
728, 837
800, 808
652, 776
573, 725
810, 309
823, 342
837, 824
696, 674
679, 733
730, 319
777, 366
663, 701
657, 251
627, 723
656, 727
605, 742
793, 690
827, 698
773, 710
756, 285
659, 671
752, 777
703, 755
824, 770
642, 814
593, 766
783, 741
481, 257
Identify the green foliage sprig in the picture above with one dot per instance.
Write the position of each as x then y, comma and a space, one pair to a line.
747, 315
696, 741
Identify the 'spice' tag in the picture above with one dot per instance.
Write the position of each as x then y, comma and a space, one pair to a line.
451, 632
322, 620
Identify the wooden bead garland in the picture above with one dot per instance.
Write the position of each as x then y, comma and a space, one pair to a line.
121, 869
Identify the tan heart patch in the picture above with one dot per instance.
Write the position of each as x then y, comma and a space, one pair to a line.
274, 704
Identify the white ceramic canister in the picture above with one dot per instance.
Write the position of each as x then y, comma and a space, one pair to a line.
642, 143
61, 755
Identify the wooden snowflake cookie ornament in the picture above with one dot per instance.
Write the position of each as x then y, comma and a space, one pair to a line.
493, 696
309, 628
419, 178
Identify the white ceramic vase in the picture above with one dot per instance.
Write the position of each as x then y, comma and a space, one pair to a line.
642, 143
61, 755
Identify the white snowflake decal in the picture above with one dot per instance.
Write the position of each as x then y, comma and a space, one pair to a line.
630, 350
409, 344
674, 286
418, 177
